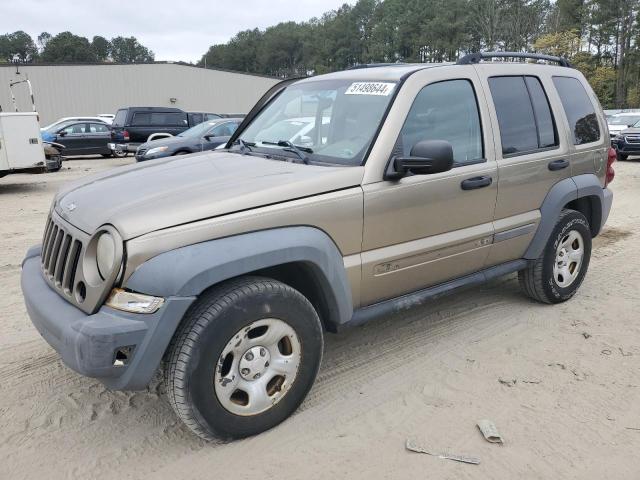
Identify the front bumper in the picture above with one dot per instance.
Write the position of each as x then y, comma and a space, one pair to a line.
626, 148
88, 343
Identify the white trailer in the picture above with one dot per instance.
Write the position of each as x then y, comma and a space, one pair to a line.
21, 149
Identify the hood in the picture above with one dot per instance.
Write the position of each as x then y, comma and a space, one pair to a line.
630, 131
172, 142
144, 197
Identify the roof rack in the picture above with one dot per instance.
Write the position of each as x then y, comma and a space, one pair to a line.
478, 56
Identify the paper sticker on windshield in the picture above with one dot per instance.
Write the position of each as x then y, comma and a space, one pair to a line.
370, 88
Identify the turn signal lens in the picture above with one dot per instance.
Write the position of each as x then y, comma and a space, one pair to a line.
133, 302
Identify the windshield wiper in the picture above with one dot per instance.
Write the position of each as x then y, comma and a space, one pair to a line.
290, 147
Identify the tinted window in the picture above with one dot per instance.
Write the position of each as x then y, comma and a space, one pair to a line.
445, 111
195, 118
120, 118
515, 114
547, 136
141, 119
169, 119
579, 110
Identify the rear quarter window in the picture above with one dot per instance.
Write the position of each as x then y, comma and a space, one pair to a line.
579, 110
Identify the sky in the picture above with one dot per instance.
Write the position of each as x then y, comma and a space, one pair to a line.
174, 30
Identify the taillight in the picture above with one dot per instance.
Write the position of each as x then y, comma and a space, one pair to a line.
611, 157
125, 134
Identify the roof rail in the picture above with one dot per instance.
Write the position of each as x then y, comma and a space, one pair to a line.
374, 65
478, 56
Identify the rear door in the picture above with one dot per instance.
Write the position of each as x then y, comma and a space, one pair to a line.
97, 138
423, 230
532, 153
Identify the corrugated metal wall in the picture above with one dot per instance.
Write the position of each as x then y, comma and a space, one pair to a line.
70, 90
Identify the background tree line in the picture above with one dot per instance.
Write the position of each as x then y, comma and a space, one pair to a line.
69, 48
601, 37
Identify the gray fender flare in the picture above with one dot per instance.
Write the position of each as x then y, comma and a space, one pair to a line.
561, 193
189, 270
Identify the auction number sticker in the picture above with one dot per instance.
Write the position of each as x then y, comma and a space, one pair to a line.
370, 88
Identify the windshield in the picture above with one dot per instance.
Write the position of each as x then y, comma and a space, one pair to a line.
197, 131
348, 114
623, 119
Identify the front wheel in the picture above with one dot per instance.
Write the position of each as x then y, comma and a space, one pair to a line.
621, 156
244, 358
557, 274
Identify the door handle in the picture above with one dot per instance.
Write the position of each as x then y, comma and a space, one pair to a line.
558, 164
476, 182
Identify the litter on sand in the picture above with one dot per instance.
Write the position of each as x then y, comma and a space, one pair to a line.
414, 446
489, 431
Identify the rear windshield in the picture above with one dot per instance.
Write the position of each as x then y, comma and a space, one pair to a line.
120, 118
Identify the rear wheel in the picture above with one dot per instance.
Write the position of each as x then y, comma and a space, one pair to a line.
244, 358
557, 274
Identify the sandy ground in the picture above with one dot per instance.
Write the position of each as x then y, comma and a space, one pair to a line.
562, 383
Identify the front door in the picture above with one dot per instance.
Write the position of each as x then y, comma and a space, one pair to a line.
73, 137
423, 230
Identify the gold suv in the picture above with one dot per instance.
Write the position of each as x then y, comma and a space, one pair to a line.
341, 198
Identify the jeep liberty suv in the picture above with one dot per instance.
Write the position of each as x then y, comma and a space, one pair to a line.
228, 267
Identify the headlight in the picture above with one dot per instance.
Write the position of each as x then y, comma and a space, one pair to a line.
105, 255
155, 150
133, 302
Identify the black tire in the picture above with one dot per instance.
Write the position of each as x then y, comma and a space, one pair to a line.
537, 280
107, 155
180, 153
217, 316
119, 153
621, 156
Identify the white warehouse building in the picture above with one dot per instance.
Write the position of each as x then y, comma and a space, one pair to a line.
67, 90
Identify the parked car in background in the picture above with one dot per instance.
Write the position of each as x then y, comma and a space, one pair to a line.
81, 138
133, 125
107, 117
62, 120
622, 121
205, 136
627, 142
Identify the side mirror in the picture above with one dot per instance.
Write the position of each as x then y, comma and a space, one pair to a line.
208, 137
426, 157
62, 133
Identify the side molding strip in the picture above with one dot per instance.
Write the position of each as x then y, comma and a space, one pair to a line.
415, 299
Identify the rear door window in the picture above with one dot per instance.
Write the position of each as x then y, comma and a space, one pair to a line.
98, 128
524, 116
579, 109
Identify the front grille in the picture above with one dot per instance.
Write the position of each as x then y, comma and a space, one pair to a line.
632, 138
140, 152
60, 256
